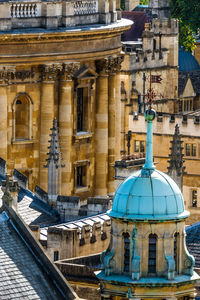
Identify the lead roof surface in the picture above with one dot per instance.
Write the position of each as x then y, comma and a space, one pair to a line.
21, 277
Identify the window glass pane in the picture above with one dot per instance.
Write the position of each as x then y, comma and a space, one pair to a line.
194, 198
187, 149
126, 252
142, 146
80, 109
137, 146
194, 149
180, 106
152, 254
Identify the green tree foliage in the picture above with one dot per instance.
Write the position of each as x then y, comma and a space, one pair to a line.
188, 13
144, 2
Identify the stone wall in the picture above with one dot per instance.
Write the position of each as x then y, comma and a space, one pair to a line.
88, 239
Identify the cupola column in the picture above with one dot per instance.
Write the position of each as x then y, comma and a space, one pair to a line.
66, 125
101, 130
49, 74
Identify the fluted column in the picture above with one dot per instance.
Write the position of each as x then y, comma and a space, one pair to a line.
49, 74
101, 130
66, 126
114, 119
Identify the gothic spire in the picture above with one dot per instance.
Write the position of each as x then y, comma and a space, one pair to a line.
176, 167
54, 164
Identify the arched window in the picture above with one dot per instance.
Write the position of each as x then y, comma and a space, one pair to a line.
22, 116
126, 252
152, 253
176, 236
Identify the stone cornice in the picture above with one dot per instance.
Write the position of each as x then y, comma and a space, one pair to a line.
85, 32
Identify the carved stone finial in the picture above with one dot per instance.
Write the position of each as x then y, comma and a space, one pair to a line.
176, 167
54, 164
10, 189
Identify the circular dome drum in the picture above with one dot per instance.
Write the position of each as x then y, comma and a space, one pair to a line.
153, 196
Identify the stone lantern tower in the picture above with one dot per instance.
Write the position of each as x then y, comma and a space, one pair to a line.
147, 257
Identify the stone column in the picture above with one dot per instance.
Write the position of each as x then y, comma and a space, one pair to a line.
114, 118
66, 126
49, 74
101, 129
3, 120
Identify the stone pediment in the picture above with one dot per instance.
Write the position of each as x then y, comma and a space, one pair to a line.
188, 90
85, 73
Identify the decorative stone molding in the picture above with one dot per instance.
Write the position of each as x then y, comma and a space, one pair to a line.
8, 73
110, 65
50, 72
68, 70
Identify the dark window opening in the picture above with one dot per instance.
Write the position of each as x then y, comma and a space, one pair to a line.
194, 198
126, 252
80, 109
176, 251
56, 255
81, 176
152, 254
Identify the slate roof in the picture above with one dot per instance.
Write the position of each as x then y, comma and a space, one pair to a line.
22, 275
195, 79
33, 211
139, 18
187, 62
193, 242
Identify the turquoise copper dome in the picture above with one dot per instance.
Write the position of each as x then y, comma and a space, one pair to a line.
148, 197
148, 194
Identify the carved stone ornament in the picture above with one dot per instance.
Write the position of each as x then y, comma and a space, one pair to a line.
68, 70
111, 65
8, 73
50, 72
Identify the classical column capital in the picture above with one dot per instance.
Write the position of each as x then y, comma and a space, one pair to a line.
49, 72
68, 70
115, 64
6, 74
110, 65
102, 66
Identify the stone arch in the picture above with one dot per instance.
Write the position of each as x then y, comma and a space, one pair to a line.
22, 117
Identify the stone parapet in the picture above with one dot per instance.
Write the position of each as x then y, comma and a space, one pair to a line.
165, 26
142, 60
73, 241
56, 14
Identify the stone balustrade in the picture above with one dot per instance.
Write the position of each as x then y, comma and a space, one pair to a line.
54, 14
23, 10
85, 7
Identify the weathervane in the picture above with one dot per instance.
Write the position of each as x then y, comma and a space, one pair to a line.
151, 95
